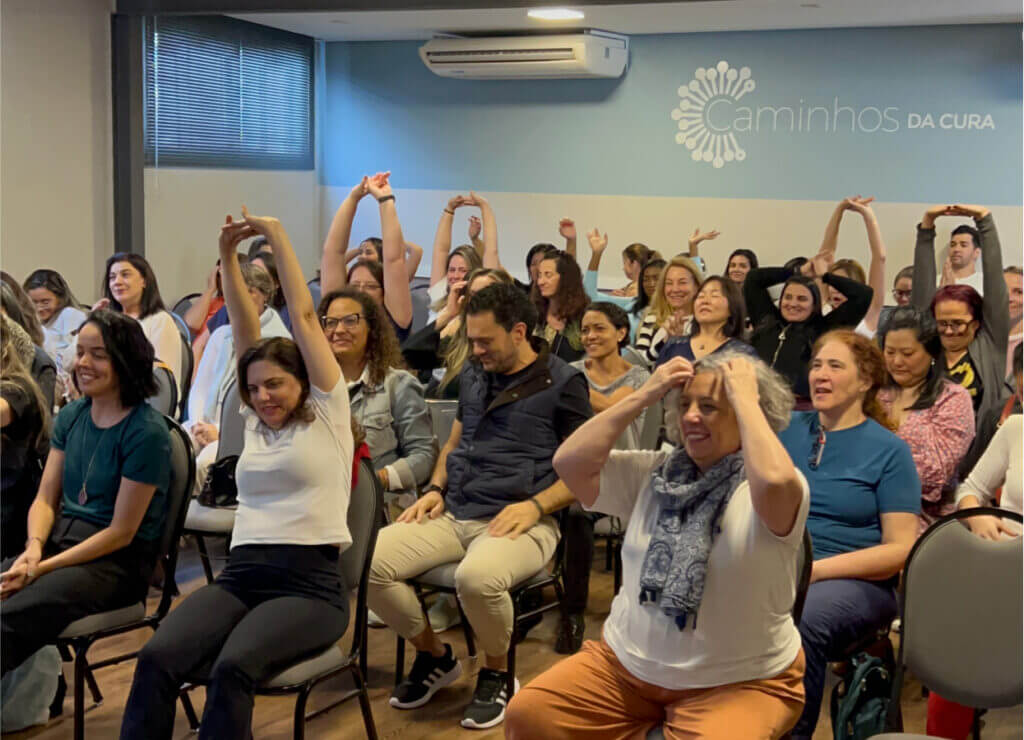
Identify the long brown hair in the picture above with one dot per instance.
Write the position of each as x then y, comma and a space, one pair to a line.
571, 298
14, 375
870, 366
382, 349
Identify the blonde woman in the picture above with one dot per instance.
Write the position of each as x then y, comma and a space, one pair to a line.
671, 309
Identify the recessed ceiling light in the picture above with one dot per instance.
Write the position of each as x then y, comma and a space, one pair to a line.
555, 14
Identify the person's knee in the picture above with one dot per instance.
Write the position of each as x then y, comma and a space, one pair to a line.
475, 579
524, 715
156, 658
231, 670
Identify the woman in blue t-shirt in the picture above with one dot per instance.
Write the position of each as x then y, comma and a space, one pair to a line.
865, 499
107, 474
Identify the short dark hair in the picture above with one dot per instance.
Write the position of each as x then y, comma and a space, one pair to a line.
509, 305
615, 315
284, 353
378, 245
151, 301
964, 294
926, 332
749, 254
256, 245
52, 281
130, 353
795, 263
965, 229
1013, 270
737, 321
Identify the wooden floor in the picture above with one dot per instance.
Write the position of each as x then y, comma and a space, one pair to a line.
439, 719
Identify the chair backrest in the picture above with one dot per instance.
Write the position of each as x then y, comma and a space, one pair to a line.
183, 329
183, 476
184, 304
442, 416
654, 419
633, 356
188, 366
315, 291
804, 562
231, 433
962, 613
420, 308
166, 398
365, 512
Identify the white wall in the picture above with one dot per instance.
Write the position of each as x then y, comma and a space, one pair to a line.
185, 208
56, 208
775, 230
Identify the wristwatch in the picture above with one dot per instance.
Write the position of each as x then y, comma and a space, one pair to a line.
433, 487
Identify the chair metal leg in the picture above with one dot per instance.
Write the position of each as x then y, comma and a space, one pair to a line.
510, 659
204, 557
79, 730
399, 660
300, 713
617, 565
90, 681
190, 712
364, 706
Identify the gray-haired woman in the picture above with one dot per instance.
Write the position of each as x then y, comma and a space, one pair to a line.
700, 636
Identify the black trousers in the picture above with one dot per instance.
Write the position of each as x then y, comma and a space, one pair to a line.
579, 557
35, 615
272, 607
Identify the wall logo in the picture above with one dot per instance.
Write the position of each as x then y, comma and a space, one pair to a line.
709, 87
711, 114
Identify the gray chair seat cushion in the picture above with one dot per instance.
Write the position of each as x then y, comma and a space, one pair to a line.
208, 519
443, 576
104, 620
329, 660
607, 527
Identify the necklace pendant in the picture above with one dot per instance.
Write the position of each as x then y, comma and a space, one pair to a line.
83, 497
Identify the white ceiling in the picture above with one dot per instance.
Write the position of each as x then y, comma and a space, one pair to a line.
682, 17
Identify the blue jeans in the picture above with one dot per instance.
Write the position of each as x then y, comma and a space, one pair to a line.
837, 614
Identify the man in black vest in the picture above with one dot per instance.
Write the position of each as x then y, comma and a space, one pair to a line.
489, 501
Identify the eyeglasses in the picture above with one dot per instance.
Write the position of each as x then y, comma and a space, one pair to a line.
366, 287
350, 321
900, 295
957, 326
817, 450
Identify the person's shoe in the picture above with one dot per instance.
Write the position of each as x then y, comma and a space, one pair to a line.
372, 620
428, 675
444, 613
570, 636
488, 706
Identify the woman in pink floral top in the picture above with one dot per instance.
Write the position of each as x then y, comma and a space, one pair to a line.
935, 416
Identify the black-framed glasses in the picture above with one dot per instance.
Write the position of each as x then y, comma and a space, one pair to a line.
957, 326
817, 450
900, 295
348, 321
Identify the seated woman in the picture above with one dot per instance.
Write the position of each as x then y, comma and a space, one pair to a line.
371, 249
634, 257
638, 300
216, 371
281, 597
107, 475
740, 262
784, 335
719, 318
700, 638
131, 288
440, 349
450, 266
385, 280
865, 500
386, 400
24, 326
25, 420
206, 305
560, 300
58, 312
932, 415
672, 307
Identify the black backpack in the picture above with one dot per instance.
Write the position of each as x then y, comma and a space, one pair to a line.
860, 701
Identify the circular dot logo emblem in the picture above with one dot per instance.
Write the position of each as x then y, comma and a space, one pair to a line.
708, 136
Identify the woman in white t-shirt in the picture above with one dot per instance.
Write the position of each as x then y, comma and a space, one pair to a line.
280, 598
700, 638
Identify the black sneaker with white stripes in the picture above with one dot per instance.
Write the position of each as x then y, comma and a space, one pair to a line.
428, 675
488, 706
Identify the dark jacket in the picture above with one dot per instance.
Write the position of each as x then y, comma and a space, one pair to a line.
785, 346
505, 452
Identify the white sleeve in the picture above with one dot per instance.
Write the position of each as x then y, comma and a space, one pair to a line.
989, 472
625, 474
166, 341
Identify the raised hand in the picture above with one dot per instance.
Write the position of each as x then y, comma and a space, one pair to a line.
948, 276
456, 201
975, 212
675, 325
859, 204
598, 241
567, 228
475, 227
101, 303
233, 233
360, 190
741, 382
476, 200
697, 237
928, 220
675, 373
379, 185
821, 263
266, 226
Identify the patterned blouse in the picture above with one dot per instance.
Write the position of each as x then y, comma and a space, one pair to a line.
939, 437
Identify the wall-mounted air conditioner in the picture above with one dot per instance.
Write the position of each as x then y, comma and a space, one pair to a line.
587, 54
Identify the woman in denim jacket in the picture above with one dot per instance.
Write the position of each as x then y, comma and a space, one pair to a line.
386, 401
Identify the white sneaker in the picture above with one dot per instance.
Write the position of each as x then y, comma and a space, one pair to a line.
444, 614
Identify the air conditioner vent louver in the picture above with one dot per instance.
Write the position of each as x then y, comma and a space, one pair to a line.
590, 54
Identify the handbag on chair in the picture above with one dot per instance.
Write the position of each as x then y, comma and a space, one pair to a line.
220, 490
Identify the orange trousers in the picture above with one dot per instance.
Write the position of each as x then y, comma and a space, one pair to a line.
592, 696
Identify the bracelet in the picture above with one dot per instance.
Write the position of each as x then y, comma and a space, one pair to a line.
450, 213
540, 509
384, 198
433, 487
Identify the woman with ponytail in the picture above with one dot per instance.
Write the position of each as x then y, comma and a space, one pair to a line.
865, 500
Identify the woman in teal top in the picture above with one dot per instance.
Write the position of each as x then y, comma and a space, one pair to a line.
107, 474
